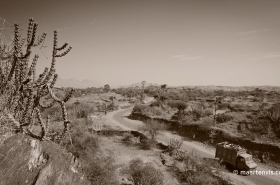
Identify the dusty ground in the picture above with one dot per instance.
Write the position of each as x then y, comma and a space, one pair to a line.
123, 154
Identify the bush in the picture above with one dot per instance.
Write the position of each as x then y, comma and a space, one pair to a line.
156, 111
196, 171
98, 166
197, 112
208, 121
261, 125
208, 112
141, 173
155, 103
223, 105
113, 106
127, 139
54, 112
222, 118
180, 105
174, 145
147, 144
138, 108
236, 108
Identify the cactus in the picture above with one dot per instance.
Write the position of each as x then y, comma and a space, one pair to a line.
22, 90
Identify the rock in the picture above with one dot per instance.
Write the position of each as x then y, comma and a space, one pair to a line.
166, 159
125, 181
162, 146
25, 160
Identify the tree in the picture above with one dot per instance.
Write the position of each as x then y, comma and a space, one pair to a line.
106, 88
153, 127
181, 106
163, 86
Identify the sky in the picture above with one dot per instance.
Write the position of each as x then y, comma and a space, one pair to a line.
174, 42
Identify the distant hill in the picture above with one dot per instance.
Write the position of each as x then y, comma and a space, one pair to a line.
139, 85
213, 87
77, 83
235, 88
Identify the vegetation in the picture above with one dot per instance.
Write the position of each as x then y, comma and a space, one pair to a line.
21, 92
153, 127
141, 173
174, 145
25, 99
194, 170
98, 165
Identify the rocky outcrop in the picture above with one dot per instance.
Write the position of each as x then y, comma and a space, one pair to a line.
25, 160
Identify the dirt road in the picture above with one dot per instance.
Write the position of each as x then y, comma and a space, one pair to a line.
119, 119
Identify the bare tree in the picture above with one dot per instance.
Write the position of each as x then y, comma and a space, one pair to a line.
153, 127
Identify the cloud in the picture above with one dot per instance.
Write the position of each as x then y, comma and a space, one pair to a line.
92, 22
184, 57
191, 58
177, 56
246, 38
271, 55
250, 35
252, 32
62, 29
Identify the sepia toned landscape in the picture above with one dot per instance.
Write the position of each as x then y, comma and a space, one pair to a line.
131, 92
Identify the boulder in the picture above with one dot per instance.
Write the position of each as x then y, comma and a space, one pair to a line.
25, 160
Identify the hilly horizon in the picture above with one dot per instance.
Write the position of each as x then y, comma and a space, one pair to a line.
77, 83
94, 83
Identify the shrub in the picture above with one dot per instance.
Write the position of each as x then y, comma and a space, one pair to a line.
223, 105
54, 112
141, 173
262, 126
156, 111
196, 171
112, 106
197, 112
98, 166
180, 105
236, 108
138, 108
147, 144
80, 110
222, 118
184, 119
174, 145
208, 121
155, 103
208, 112
127, 139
